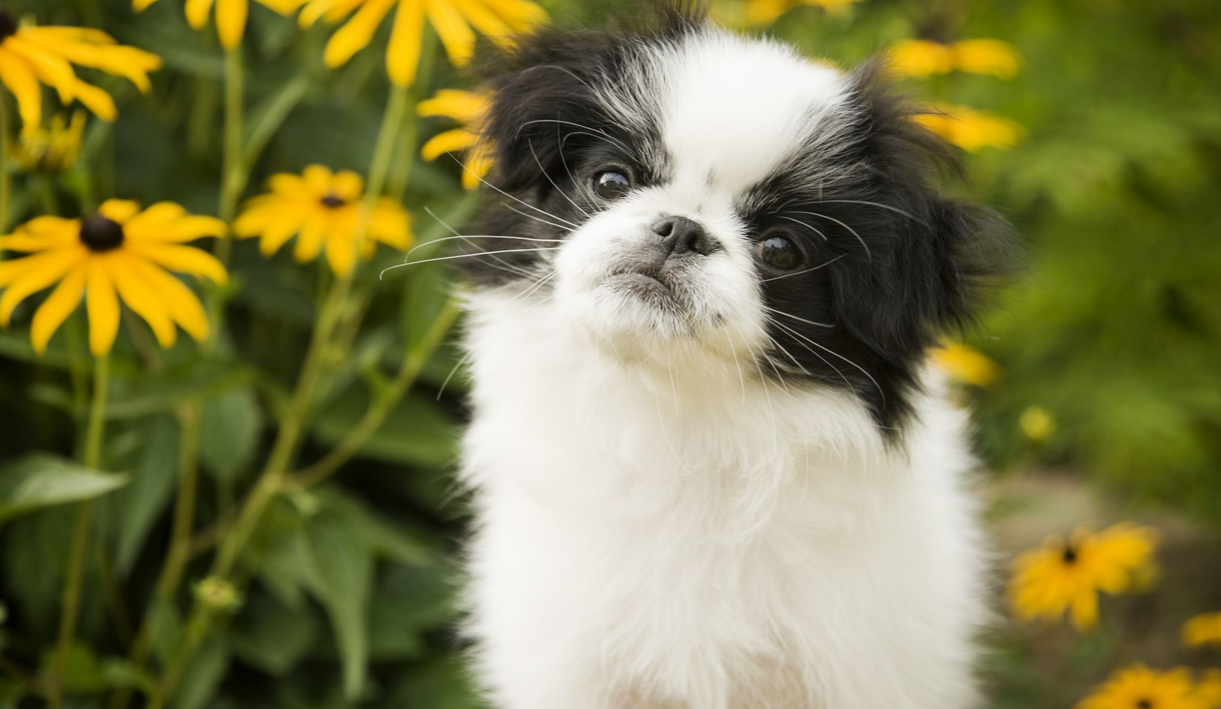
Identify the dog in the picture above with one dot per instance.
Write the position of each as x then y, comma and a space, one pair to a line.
711, 467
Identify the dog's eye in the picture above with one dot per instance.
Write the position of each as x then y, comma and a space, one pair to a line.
611, 184
779, 253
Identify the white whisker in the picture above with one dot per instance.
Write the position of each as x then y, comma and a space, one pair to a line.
854, 232
808, 270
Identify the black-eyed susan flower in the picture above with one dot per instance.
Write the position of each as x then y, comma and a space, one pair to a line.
1067, 576
969, 129
468, 108
322, 209
965, 364
230, 15
765, 12
1139, 687
120, 253
456, 22
922, 57
1204, 629
31, 56
50, 149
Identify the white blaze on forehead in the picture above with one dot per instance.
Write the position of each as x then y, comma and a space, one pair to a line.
733, 109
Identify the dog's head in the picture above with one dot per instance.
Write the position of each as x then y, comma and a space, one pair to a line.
688, 189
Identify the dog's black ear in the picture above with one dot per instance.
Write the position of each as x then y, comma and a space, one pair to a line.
545, 90
930, 257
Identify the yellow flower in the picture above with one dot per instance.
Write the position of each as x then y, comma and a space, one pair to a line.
987, 56
969, 129
965, 364
455, 21
468, 108
31, 56
922, 57
230, 15
1202, 630
765, 12
1208, 691
52, 149
322, 208
1138, 687
118, 253
1037, 424
1067, 576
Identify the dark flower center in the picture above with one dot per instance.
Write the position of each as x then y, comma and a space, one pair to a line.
8, 26
333, 201
101, 234
1144, 704
1070, 555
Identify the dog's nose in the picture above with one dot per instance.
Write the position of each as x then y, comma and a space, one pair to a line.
680, 235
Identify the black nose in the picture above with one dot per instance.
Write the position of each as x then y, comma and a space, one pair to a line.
680, 235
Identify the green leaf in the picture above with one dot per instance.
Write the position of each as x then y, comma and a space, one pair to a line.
417, 432
273, 637
229, 431
409, 603
43, 480
341, 575
203, 676
153, 479
171, 390
166, 628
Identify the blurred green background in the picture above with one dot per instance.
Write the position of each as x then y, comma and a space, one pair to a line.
1108, 348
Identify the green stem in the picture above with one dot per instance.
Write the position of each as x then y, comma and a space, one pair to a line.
73, 583
184, 506
413, 362
233, 179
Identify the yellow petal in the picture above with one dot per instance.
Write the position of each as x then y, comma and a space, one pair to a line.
142, 299
456, 35
987, 56
318, 180
464, 106
448, 142
51, 69
183, 259
231, 21
340, 254
403, 52
119, 210
309, 242
920, 57
129, 62
479, 163
348, 186
357, 33
157, 213
333, 10
179, 301
103, 307
485, 20
18, 76
284, 7
96, 100
35, 273
57, 307
276, 235
141, 5
176, 230
197, 12
390, 224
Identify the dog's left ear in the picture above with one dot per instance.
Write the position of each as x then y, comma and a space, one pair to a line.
931, 257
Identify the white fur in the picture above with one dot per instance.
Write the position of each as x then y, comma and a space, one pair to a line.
660, 526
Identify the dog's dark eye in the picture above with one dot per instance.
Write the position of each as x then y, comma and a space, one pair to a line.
611, 184
779, 253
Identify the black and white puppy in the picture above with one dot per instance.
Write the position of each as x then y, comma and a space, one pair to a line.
712, 469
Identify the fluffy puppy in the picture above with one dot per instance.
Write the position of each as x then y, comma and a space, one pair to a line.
711, 468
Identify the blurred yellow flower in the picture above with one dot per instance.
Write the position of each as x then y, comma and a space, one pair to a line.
965, 364
120, 252
969, 129
765, 12
922, 57
1202, 629
1037, 424
455, 21
1208, 691
31, 56
230, 15
1067, 576
468, 108
52, 149
1138, 687
322, 208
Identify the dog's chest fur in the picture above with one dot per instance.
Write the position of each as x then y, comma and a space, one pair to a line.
682, 534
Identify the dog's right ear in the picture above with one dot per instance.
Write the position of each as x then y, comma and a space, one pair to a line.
544, 100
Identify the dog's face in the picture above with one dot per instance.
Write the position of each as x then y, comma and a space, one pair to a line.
694, 191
